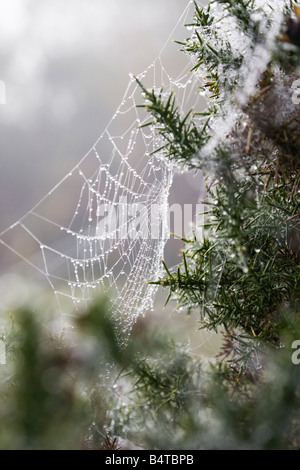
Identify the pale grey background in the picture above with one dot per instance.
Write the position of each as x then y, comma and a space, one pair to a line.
66, 66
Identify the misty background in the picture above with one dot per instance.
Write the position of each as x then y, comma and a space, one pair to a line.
66, 66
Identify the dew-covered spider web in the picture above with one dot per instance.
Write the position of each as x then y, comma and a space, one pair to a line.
118, 197
114, 241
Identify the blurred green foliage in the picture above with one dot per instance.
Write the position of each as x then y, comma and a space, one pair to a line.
88, 392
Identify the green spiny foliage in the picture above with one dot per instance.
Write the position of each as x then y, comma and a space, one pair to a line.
244, 275
201, 45
247, 271
182, 137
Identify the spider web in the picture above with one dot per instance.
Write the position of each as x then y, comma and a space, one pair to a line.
118, 195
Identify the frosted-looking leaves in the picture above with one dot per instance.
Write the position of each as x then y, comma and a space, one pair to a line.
231, 45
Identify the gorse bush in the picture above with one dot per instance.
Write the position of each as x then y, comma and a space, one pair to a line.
244, 275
